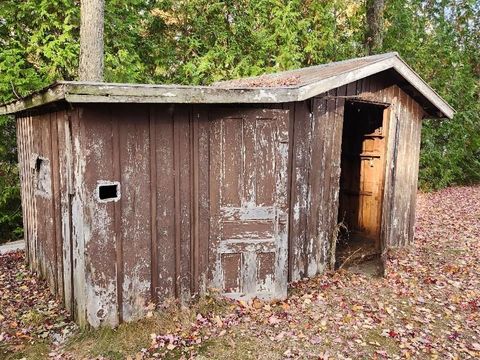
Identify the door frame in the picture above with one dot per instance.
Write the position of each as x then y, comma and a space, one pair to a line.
387, 114
386, 123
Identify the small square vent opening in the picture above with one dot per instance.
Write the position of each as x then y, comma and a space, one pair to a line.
108, 192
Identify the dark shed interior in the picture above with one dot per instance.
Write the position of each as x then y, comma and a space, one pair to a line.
362, 179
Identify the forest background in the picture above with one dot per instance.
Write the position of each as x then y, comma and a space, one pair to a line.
202, 41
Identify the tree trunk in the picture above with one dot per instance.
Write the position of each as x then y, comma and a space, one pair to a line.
91, 40
374, 34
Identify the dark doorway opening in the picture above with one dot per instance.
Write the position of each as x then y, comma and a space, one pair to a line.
361, 182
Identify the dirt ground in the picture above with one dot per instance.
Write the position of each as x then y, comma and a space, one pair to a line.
426, 306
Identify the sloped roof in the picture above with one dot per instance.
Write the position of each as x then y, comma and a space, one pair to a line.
305, 76
287, 86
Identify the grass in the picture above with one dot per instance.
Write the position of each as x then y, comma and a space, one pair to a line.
33, 318
37, 350
112, 343
237, 346
376, 341
130, 338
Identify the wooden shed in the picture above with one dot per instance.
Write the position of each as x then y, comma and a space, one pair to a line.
138, 193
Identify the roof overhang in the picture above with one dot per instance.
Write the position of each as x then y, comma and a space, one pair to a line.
395, 63
91, 92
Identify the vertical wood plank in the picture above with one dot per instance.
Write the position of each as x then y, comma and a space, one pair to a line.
166, 195
65, 169
337, 118
184, 196
416, 140
78, 217
393, 223
203, 214
134, 128
194, 203
330, 215
153, 205
48, 239
320, 144
290, 171
178, 212
56, 192
216, 149
299, 192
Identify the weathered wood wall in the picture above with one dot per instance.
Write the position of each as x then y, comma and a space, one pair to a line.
315, 176
107, 260
43, 152
152, 243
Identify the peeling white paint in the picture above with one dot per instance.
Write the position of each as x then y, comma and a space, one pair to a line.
247, 213
79, 231
101, 308
43, 176
265, 95
134, 290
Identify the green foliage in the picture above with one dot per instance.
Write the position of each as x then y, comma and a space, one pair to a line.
202, 41
38, 40
441, 40
38, 46
10, 207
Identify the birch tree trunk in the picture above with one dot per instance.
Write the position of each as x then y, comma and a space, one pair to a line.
374, 34
91, 40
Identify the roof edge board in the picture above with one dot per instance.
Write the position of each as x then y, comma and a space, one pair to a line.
394, 62
187, 95
347, 77
416, 81
82, 87
51, 95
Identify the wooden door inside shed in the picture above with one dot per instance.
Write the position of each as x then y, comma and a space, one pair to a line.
362, 179
248, 203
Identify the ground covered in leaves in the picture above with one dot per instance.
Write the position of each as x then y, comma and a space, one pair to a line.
31, 320
426, 306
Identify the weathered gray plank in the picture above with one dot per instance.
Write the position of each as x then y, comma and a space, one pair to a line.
299, 190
